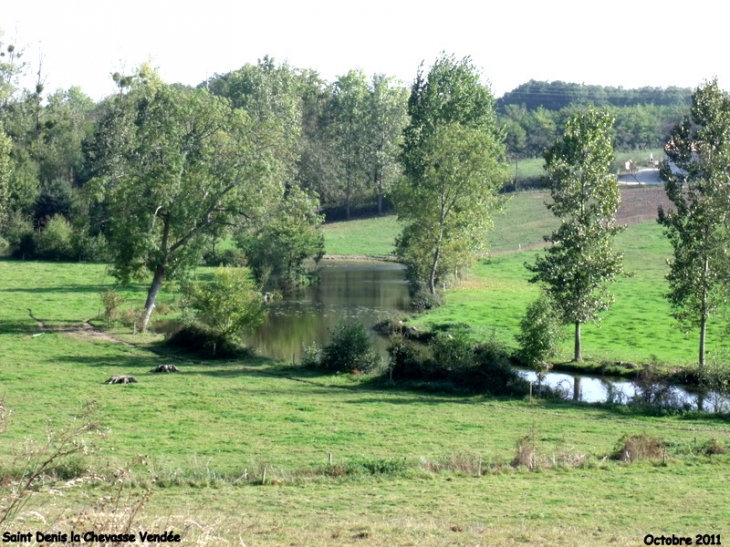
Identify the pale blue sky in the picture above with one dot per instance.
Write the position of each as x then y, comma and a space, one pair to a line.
629, 43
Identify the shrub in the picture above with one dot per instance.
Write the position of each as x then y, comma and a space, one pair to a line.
20, 237
422, 300
639, 447
88, 248
205, 342
404, 361
452, 353
494, 373
350, 349
229, 305
111, 300
225, 257
54, 242
540, 334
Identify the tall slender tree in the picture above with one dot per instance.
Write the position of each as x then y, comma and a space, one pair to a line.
697, 180
580, 262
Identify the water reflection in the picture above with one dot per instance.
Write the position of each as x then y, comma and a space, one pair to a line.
365, 291
591, 389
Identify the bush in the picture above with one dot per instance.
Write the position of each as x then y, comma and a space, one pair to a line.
349, 350
205, 342
404, 361
639, 447
54, 242
540, 334
455, 360
111, 300
452, 353
422, 300
226, 257
20, 237
229, 305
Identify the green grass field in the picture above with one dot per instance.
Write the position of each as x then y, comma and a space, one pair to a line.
191, 437
492, 299
237, 452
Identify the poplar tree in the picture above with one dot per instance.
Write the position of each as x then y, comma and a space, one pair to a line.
697, 181
580, 262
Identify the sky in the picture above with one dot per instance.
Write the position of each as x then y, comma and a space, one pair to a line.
622, 43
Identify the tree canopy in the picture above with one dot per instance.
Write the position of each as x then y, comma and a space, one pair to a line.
453, 159
172, 167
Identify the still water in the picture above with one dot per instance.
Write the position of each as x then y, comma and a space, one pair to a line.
364, 291
369, 291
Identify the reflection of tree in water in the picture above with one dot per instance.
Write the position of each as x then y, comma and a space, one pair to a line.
362, 292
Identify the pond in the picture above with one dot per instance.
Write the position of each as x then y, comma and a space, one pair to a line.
359, 290
370, 291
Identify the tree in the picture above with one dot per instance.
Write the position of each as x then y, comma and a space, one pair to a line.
453, 159
5, 168
173, 167
696, 178
349, 134
384, 124
276, 250
540, 332
580, 262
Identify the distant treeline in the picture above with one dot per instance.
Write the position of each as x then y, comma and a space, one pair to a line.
534, 114
557, 95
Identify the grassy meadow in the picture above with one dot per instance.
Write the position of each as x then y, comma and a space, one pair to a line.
259, 453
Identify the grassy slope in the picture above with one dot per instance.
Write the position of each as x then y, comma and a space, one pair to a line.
491, 301
219, 419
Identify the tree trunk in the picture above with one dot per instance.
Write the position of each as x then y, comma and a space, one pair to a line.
577, 357
703, 331
152, 295
434, 265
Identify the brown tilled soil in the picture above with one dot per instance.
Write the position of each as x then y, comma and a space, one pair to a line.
641, 204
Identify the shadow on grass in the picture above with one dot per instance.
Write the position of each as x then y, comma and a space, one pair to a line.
20, 326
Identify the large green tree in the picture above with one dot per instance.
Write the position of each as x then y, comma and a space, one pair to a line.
453, 159
697, 181
580, 262
449, 211
174, 166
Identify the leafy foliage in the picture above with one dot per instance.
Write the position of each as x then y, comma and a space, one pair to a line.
229, 304
579, 264
540, 334
696, 179
349, 350
277, 250
453, 161
174, 167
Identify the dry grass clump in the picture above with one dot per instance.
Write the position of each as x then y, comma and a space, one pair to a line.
465, 464
631, 448
713, 447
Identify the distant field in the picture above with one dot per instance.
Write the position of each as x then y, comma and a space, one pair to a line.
531, 169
